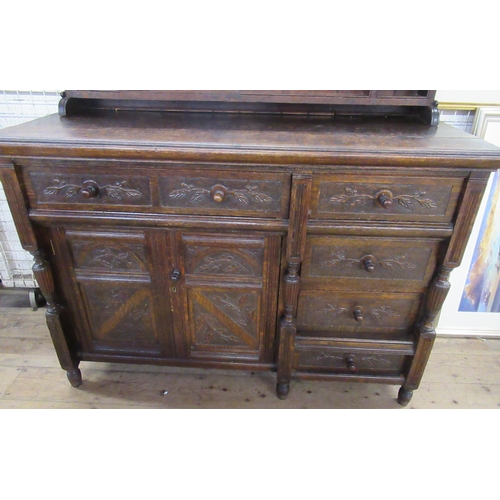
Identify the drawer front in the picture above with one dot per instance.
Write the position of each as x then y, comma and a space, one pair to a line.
378, 264
347, 361
230, 194
90, 189
357, 312
86, 185
389, 198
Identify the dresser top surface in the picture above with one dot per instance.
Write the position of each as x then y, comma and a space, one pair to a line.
167, 131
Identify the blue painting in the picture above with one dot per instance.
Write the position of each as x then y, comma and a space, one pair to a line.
482, 288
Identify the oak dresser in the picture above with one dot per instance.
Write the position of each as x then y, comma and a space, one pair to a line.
311, 233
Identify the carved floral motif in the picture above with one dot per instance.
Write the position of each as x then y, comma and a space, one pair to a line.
109, 257
376, 313
340, 260
117, 191
226, 320
354, 198
196, 194
241, 309
224, 263
212, 332
121, 314
370, 361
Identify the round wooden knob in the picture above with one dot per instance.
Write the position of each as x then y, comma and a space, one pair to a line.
384, 199
350, 361
218, 193
90, 190
176, 275
358, 315
368, 263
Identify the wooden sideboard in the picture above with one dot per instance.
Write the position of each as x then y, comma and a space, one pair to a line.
307, 241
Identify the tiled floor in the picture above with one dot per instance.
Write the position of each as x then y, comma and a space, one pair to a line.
462, 373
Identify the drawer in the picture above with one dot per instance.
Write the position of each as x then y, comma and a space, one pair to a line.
86, 185
385, 198
342, 358
370, 263
357, 312
89, 190
228, 194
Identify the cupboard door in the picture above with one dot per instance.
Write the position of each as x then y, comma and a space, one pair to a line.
223, 290
118, 299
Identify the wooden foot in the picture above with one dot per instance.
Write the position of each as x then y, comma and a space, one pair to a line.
404, 396
75, 377
282, 390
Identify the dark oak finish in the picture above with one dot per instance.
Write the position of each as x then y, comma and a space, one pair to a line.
286, 237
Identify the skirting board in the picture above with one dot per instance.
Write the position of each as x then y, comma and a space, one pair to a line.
466, 333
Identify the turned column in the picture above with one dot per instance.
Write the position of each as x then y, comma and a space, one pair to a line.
41, 270
43, 275
295, 246
426, 330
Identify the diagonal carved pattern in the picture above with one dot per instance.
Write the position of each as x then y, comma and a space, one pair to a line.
121, 310
240, 319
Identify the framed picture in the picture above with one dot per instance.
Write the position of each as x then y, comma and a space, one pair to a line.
472, 307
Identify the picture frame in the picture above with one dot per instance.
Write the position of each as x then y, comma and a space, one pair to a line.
464, 314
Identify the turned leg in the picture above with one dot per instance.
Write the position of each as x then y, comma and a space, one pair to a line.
285, 355
282, 390
74, 377
404, 396
53, 315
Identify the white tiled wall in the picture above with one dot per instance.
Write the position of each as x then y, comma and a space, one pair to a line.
17, 106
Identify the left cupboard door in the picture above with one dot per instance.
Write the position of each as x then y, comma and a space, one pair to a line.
112, 284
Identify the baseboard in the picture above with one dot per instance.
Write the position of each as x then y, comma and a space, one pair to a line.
467, 333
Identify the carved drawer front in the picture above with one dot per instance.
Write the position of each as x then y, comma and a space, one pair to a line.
357, 312
378, 264
378, 198
103, 253
343, 359
231, 193
90, 189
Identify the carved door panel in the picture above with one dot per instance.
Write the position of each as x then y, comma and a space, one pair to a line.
222, 295
115, 281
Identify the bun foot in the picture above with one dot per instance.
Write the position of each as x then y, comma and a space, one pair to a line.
404, 396
75, 377
282, 390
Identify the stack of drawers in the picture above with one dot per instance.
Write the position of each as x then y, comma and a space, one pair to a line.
371, 250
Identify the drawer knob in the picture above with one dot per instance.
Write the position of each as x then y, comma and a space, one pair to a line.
368, 263
350, 361
90, 189
358, 315
384, 198
176, 275
219, 193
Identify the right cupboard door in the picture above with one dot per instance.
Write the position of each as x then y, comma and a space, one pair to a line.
223, 290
